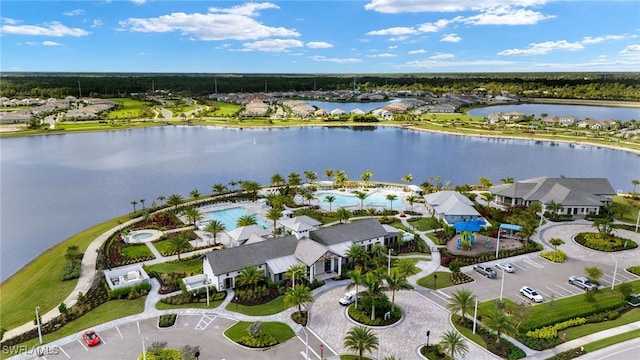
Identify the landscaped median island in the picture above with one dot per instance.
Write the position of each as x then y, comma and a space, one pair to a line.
259, 334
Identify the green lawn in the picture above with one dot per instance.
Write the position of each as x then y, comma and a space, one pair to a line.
586, 329
22, 292
212, 304
426, 223
163, 247
282, 332
468, 333
137, 251
599, 344
131, 108
193, 266
272, 307
106, 312
443, 280
630, 216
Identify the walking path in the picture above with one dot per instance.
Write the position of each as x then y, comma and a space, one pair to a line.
565, 231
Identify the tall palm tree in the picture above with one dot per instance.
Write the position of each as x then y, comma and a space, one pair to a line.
554, 207
329, 174
308, 195
214, 227
392, 198
358, 254
453, 343
361, 196
134, 203
274, 214
195, 194
462, 301
635, 182
378, 253
366, 176
411, 199
357, 279
251, 187
219, 189
299, 270
174, 200
294, 179
298, 296
343, 215
407, 178
277, 180
396, 281
161, 198
250, 276
500, 322
555, 242
192, 214
246, 220
374, 290
406, 267
142, 202
310, 176
330, 199
341, 178
360, 339
179, 244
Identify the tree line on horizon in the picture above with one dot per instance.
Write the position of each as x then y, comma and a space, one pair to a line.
588, 86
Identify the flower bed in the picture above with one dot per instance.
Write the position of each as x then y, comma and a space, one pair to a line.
596, 241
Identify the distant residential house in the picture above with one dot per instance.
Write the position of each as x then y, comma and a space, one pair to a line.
577, 196
357, 111
322, 252
337, 112
451, 206
551, 120
512, 116
589, 124
568, 120
382, 113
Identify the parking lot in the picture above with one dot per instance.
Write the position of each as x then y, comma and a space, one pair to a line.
548, 278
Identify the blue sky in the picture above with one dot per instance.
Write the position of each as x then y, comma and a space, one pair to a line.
334, 36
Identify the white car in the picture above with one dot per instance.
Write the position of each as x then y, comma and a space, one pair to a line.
531, 293
348, 298
506, 267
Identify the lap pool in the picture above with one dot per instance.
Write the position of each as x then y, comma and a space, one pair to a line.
347, 200
229, 217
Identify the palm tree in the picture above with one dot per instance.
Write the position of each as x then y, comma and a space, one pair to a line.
361, 196
274, 214
251, 187
308, 195
507, 180
174, 200
329, 174
298, 296
360, 339
296, 269
411, 199
195, 194
246, 220
406, 267
453, 343
358, 254
396, 281
357, 279
233, 183
179, 244
192, 214
142, 202
294, 179
554, 207
378, 253
462, 301
329, 199
500, 322
219, 189
277, 180
555, 242
250, 276
408, 178
341, 178
635, 182
366, 176
310, 176
161, 198
134, 203
215, 226
373, 283
372, 212
343, 215
392, 198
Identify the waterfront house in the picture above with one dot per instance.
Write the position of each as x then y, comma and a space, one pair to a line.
451, 206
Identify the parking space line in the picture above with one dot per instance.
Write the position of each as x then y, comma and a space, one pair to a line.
543, 293
557, 292
567, 290
322, 342
204, 322
138, 325
101, 339
427, 298
81, 344
521, 267
118, 330
533, 263
64, 352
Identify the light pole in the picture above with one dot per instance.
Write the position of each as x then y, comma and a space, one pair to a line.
428, 333
206, 284
475, 316
544, 206
615, 270
38, 323
306, 341
144, 351
389, 263
321, 352
293, 273
498, 242
638, 221
502, 285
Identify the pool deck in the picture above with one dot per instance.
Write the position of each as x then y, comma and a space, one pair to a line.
399, 204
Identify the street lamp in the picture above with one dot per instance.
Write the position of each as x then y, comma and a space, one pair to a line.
144, 351
638, 221
321, 352
293, 273
502, 285
428, 333
389, 263
38, 322
498, 242
306, 343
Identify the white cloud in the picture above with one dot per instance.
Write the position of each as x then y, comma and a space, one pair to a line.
631, 50
235, 23
50, 43
393, 47
273, 45
599, 39
335, 60
398, 38
454, 38
319, 45
505, 15
431, 63
49, 29
419, 51
414, 6
401, 30
384, 55
138, 2
544, 48
442, 56
96, 23
434, 27
10, 21
75, 12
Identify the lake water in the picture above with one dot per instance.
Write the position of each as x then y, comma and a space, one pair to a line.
55, 186
579, 111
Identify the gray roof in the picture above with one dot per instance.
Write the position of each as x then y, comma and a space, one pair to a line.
355, 232
566, 191
237, 258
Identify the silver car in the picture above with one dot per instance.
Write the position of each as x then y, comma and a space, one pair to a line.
506, 267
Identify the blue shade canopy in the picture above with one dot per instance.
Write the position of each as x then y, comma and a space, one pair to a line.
473, 225
510, 227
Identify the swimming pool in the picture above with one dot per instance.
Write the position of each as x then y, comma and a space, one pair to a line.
142, 235
229, 217
347, 200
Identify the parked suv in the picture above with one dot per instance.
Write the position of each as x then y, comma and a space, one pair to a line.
582, 282
485, 270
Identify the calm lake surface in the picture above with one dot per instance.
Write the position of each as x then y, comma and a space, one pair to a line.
52, 187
